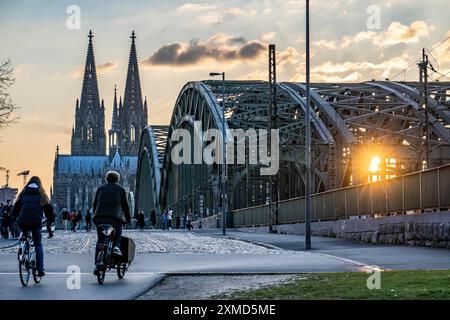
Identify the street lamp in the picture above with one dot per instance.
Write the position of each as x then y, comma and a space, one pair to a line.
307, 141
224, 137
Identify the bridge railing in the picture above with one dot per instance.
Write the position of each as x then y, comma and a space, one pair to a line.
416, 191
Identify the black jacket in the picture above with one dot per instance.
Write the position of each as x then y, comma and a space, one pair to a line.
29, 211
111, 201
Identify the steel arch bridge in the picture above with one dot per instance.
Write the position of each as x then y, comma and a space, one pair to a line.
352, 124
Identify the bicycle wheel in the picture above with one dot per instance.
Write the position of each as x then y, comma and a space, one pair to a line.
101, 267
121, 269
24, 266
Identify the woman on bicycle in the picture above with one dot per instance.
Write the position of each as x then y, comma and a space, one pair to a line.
31, 204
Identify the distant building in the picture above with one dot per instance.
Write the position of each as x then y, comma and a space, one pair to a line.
77, 176
7, 193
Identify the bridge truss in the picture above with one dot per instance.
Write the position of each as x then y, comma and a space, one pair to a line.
353, 125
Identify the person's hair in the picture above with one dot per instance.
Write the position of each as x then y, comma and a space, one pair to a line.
112, 176
44, 198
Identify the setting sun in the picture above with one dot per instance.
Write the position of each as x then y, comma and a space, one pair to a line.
374, 164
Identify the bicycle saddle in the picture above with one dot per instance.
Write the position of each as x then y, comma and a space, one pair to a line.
107, 229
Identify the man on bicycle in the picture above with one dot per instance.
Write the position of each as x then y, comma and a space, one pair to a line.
111, 207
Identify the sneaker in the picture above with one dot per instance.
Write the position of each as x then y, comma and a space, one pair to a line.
50, 235
96, 271
117, 251
40, 274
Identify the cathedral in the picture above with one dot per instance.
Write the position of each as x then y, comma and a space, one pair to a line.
77, 176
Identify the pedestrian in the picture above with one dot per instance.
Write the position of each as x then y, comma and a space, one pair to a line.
50, 219
79, 219
140, 220
165, 220
6, 224
111, 207
73, 220
30, 205
177, 222
65, 217
184, 221
88, 220
189, 219
169, 217
1, 218
12, 221
153, 218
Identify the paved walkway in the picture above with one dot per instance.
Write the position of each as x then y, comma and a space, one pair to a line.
206, 252
7, 243
384, 256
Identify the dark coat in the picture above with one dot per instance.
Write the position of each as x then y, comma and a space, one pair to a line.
111, 201
29, 211
141, 220
6, 212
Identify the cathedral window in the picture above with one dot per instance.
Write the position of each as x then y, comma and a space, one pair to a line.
133, 133
90, 134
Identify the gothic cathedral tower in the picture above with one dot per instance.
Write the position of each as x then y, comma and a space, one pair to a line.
88, 135
133, 112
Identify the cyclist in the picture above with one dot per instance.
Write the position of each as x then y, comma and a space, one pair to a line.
110, 207
31, 204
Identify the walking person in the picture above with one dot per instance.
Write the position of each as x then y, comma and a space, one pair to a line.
50, 219
6, 223
169, 217
12, 220
140, 220
73, 220
65, 217
165, 220
30, 205
189, 219
110, 207
1, 218
79, 219
88, 220
153, 218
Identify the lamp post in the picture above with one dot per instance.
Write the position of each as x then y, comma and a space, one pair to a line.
307, 141
224, 158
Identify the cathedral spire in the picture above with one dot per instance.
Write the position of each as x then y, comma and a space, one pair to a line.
115, 116
88, 137
133, 116
114, 132
133, 95
89, 93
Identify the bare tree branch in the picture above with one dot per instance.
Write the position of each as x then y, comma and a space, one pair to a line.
7, 107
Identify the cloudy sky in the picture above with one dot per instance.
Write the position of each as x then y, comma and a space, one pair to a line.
180, 41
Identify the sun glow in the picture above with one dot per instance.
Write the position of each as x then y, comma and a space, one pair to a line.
374, 164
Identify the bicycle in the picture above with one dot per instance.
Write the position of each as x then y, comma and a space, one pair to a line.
106, 260
27, 259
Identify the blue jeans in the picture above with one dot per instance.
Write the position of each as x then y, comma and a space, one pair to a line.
38, 248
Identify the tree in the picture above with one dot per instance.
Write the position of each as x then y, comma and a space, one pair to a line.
7, 106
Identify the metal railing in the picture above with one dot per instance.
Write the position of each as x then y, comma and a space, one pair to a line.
429, 189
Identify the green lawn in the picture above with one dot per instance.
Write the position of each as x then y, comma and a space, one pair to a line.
418, 284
